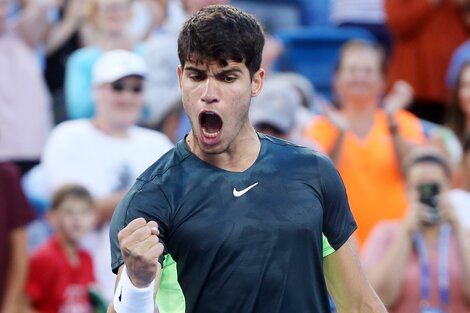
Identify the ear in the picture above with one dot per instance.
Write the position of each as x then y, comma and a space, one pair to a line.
257, 82
180, 74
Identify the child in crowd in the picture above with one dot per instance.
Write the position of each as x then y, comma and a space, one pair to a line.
61, 273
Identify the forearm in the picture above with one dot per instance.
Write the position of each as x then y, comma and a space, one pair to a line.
33, 24
348, 285
60, 33
335, 152
401, 146
16, 273
386, 277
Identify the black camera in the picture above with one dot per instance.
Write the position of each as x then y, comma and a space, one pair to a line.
428, 194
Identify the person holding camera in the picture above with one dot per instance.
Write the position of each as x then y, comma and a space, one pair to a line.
422, 264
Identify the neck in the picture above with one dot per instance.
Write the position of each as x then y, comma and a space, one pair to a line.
361, 118
70, 248
109, 129
114, 40
238, 157
431, 233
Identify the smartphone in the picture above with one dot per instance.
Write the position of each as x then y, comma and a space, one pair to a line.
428, 194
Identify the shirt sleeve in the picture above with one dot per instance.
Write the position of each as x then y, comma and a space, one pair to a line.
40, 273
78, 86
338, 221
145, 199
19, 209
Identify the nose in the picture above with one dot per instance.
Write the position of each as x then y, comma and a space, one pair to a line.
209, 94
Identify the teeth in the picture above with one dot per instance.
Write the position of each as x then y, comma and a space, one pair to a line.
210, 135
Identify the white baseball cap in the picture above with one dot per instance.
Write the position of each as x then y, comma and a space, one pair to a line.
276, 105
116, 64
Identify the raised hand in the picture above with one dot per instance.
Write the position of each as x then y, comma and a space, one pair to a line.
333, 115
398, 98
140, 248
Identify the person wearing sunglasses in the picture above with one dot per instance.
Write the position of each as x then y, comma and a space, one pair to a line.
106, 153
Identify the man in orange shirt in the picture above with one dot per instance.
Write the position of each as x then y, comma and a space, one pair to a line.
367, 142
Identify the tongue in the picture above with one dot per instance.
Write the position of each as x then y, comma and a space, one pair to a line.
212, 122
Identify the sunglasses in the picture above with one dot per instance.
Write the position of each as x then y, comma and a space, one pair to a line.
120, 87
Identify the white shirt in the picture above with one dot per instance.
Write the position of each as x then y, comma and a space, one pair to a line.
460, 199
77, 152
357, 11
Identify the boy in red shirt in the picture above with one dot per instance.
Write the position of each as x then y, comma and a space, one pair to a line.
60, 272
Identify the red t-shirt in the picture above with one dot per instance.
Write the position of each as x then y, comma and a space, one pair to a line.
56, 286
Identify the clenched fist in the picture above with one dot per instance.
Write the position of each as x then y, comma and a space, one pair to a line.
140, 248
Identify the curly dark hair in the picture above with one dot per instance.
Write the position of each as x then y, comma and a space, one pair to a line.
219, 33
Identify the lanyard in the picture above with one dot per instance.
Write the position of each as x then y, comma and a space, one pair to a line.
444, 237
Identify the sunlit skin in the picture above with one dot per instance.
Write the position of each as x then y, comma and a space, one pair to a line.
359, 82
117, 111
225, 91
464, 93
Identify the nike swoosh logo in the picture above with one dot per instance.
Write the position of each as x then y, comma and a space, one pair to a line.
240, 193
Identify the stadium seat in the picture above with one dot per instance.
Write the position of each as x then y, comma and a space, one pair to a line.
313, 52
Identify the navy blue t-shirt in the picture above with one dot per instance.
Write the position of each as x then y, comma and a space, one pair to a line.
244, 242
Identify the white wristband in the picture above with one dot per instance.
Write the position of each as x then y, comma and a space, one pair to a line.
131, 299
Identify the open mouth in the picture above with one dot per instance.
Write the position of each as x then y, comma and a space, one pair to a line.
211, 124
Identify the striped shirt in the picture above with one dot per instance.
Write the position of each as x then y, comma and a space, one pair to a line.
357, 11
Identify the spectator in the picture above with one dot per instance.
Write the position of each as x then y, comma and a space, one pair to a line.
458, 114
274, 112
460, 197
422, 264
108, 30
61, 273
367, 142
425, 33
106, 153
25, 116
63, 38
460, 55
15, 214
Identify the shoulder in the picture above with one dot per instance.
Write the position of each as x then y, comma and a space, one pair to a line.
46, 254
296, 156
150, 134
139, 48
85, 55
404, 116
166, 167
71, 128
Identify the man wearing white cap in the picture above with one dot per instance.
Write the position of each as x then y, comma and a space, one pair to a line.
106, 153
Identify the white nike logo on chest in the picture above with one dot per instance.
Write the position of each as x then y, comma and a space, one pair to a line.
240, 193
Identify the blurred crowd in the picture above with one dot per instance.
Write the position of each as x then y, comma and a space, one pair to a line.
89, 98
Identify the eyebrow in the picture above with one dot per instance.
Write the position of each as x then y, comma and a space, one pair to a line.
223, 72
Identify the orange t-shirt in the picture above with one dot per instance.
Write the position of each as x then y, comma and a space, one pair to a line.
369, 167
